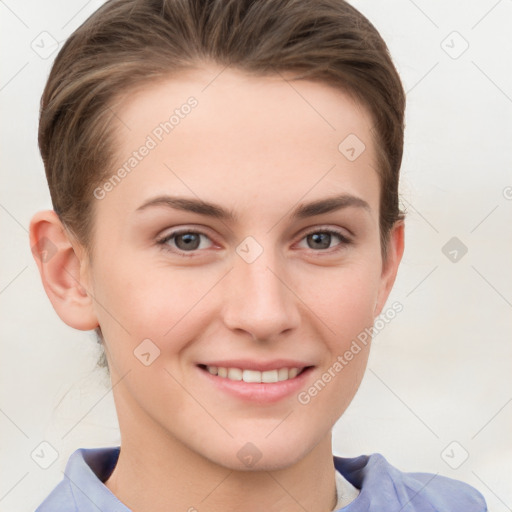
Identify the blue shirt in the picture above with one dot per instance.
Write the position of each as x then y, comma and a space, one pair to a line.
383, 488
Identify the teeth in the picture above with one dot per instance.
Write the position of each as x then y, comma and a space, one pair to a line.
251, 376
268, 376
235, 374
283, 374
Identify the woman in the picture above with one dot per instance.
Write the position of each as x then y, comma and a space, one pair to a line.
224, 177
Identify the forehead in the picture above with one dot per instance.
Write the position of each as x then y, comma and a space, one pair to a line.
226, 133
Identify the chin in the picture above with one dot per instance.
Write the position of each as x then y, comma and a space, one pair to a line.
266, 454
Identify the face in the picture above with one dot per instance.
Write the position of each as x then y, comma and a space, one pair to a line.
242, 243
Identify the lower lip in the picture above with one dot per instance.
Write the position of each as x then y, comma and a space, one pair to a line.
258, 392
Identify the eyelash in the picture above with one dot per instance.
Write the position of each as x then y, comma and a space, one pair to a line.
344, 241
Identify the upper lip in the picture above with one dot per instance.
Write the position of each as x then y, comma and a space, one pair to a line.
247, 364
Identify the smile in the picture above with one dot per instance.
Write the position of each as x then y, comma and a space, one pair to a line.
268, 376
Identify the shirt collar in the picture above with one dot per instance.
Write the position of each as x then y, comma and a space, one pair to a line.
86, 470
380, 484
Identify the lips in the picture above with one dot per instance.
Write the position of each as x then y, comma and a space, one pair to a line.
258, 382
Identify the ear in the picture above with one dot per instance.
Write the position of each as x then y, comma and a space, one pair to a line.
63, 270
394, 253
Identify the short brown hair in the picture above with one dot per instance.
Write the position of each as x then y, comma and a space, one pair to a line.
128, 43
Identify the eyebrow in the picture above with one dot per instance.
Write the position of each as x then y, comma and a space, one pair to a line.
302, 211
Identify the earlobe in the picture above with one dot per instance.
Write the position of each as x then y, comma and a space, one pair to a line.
395, 250
61, 271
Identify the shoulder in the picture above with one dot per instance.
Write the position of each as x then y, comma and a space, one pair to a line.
383, 485
59, 500
82, 488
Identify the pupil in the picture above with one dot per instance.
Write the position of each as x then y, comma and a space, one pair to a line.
323, 240
190, 240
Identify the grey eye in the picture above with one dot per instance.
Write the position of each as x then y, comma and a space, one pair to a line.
187, 241
319, 240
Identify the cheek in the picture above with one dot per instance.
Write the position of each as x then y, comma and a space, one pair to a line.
344, 299
136, 302
346, 309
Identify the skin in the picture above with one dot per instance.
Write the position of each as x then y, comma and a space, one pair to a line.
254, 146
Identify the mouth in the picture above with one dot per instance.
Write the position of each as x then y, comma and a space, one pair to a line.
256, 383
255, 376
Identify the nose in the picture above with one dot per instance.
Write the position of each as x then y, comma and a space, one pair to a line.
259, 298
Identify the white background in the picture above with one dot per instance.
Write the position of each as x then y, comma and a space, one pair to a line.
439, 373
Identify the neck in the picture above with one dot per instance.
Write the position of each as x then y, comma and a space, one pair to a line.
161, 474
